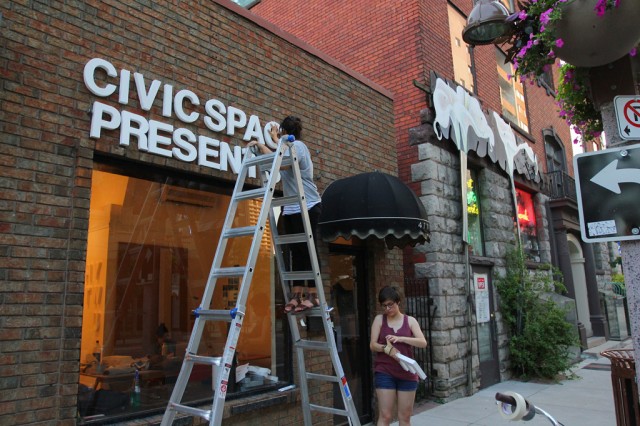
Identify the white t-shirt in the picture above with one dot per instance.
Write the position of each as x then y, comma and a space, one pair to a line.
306, 172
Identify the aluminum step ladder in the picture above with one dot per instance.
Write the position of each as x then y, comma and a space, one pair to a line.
268, 166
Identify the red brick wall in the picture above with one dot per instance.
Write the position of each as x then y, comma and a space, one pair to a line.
213, 48
394, 43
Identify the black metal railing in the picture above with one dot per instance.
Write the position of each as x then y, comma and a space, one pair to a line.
560, 185
420, 306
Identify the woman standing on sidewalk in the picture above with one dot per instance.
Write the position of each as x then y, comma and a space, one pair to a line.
393, 333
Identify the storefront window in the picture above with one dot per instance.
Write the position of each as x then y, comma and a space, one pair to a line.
528, 228
150, 249
476, 243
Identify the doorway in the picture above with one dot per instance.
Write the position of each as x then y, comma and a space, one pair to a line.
349, 315
486, 326
580, 283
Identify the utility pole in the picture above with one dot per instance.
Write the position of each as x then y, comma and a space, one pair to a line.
618, 79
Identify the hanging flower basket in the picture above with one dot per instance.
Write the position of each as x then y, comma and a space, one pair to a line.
593, 39
585, 34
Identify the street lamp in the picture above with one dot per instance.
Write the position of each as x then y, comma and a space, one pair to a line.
486, 23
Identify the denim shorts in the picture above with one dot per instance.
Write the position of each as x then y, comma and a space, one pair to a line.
386, 381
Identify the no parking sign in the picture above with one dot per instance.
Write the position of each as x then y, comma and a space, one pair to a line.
628, 116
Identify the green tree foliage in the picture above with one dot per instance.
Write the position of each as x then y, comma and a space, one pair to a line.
539, 334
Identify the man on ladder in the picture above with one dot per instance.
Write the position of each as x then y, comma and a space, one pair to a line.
292, 220
300, 194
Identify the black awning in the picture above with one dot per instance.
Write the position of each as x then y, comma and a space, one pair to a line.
373, 205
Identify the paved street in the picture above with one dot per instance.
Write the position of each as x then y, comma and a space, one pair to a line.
586, 400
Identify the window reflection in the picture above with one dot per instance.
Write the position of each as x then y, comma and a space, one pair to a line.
462, 67
514, 107
149, 253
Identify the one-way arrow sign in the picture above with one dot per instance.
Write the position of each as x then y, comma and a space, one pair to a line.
611, 177
608, 192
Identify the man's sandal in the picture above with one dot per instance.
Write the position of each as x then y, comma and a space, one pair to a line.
310, 302
294, 303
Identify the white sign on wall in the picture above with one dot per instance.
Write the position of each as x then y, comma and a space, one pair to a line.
148, 133
483, 310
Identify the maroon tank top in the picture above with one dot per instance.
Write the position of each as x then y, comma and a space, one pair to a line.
383, 363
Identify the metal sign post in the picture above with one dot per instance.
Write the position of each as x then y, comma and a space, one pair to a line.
608, 190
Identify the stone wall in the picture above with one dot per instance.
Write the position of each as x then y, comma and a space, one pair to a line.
438, 173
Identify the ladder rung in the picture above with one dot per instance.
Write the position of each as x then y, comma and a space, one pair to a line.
205, 414
266, 160
298, 275
312, 344
200, 359
236, 271
260, 159
284, 201
329, 410
322, 377
290, 239
250, 194
239, 232
214, 314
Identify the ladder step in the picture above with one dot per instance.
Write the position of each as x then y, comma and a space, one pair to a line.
298, 275
284, 201
204, 360
205, 414
329, 410
250, 194
239, 232
312, 344
290, 239
260, 160
266, 160
214, 314
236, 271
323, 377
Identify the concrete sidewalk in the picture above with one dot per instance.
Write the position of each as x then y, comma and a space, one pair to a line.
586, 400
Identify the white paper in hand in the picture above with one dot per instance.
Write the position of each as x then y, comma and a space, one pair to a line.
411, 365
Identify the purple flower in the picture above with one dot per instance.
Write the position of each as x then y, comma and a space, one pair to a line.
559, 42
633, 52
601, 7
544, 16
522, 15
523, 51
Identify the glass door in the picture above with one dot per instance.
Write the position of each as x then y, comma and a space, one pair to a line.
349, 315
486, 327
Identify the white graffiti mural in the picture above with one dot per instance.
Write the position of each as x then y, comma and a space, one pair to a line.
459, 116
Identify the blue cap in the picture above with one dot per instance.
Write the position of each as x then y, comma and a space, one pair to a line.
290, 138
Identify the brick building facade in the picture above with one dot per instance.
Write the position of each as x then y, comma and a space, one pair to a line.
399, 45
115, 156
